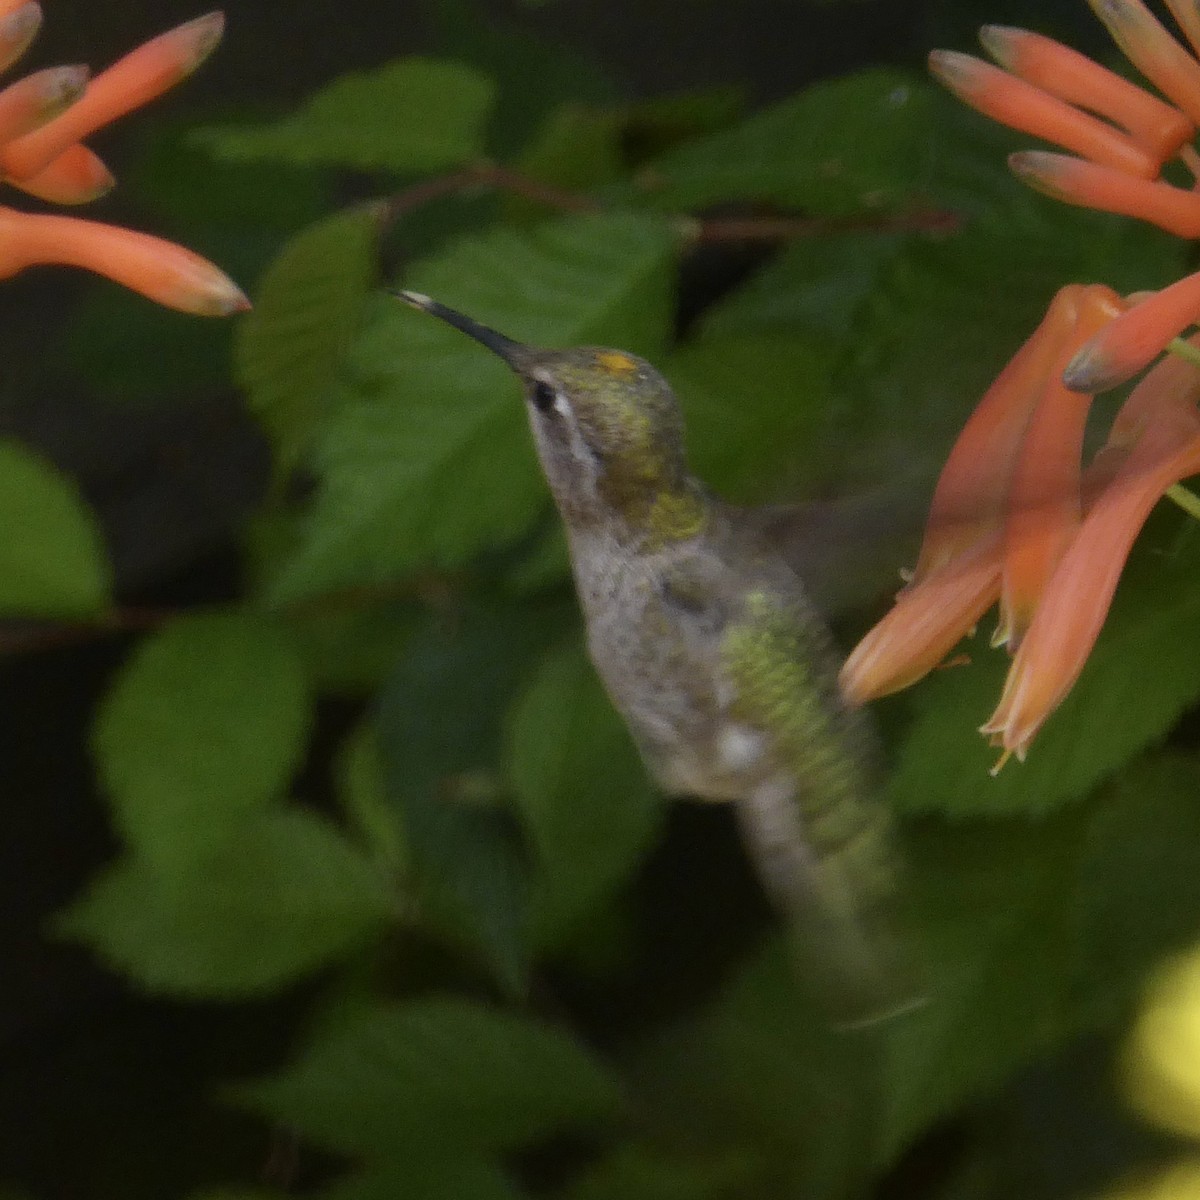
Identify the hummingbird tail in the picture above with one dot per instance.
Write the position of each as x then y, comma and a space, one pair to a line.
840, 902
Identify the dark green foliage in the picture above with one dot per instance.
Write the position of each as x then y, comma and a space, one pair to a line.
1016, 918
583, 795
201, 731
287, 896
411, 115
436, 1078
839, 148
439, 728
53, 562
307, 309
380, 784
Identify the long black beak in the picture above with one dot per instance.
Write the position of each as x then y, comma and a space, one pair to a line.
497, 343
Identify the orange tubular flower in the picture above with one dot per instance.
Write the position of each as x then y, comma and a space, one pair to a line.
1075, 78
923, 626
42, 121
1090, 186
170, 275
1153, 51
19, 24
136, 79
1015, 518
1136, 338
76, 176
1069, 618
1011, 101
1003, 513
1044, 497
1045, 87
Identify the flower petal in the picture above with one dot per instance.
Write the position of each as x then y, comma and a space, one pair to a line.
923, 626
134, 80
1075, 181
972, 490
19, 25
161, 270
37, 98
1187, 17
1044, 505
1013, 102
1147, 44
1041, 61
76, 176
1135, 338
1076, 602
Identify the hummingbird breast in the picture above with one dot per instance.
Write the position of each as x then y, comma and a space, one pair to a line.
655, 624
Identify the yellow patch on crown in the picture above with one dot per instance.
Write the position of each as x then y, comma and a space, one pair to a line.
616, 362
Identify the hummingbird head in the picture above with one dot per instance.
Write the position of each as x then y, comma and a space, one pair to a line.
607, 427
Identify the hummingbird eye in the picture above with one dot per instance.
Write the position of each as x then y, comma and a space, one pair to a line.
543, 396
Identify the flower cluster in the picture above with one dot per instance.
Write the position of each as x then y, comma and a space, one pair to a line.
1016, 519
43, 121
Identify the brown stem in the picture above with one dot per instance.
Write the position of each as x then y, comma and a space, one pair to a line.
483, 175
779, 229
695, 229
17, 637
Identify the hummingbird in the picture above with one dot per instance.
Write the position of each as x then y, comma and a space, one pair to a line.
710, 649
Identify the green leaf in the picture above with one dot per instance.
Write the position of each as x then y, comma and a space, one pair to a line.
756, 407
1143, 674
840, 147
655, 125
203, 727
585, 797
575, 148
289, 895
306, 311
580, 147
463, 1179
179, 181
412, 115
439, 726
53, 561
603, 278
429, 459
816, 285
436, 1078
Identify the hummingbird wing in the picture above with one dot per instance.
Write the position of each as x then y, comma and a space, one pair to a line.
815, 824
847, 549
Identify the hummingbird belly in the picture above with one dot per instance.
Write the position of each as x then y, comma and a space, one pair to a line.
659, 657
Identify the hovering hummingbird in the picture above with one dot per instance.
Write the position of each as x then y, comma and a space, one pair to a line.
710, 649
